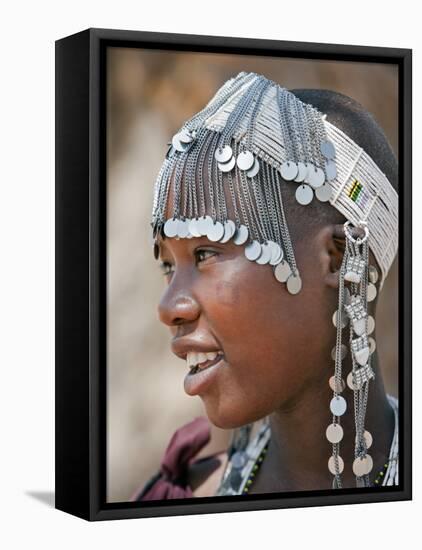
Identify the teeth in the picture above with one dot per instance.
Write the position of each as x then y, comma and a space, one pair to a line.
193, 358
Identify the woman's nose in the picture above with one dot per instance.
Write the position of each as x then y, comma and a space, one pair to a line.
177, 305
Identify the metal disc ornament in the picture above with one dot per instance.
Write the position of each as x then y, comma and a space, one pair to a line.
277, 253
177, 144
245, 160
185, 136
254, 170
328, 150
288, 170
330, 170
343, 319
332, 467
227, 166
229, 229
302, 170
194, 227
334, 433
282, 271
205, 224
323, 193
216, 232
373, 274
337, 387
362, 466
238, 459
338, 405
224, 154
316, 177
182, 229
372, 292
294, 283
253, 250
266, 253
343, 352
241, 235
367, 437
372, 345
371, 324
304, 194
170, 227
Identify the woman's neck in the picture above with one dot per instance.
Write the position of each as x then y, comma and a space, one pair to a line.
298, 453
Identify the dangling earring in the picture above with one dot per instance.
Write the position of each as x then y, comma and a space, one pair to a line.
353, 307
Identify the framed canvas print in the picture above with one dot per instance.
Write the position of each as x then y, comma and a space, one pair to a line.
233, 276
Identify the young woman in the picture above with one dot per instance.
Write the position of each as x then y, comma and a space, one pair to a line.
256, 246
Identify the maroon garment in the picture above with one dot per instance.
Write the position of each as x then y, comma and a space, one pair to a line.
170, 481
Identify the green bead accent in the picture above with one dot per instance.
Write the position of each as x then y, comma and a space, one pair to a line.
382, 473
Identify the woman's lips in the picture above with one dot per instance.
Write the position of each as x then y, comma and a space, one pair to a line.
197, 382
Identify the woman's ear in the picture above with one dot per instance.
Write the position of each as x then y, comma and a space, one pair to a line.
334, 251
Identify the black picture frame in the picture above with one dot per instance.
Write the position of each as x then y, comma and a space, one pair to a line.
81, 271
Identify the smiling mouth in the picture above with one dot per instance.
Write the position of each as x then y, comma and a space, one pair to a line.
205, 365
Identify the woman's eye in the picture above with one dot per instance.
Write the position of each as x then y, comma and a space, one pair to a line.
200, 254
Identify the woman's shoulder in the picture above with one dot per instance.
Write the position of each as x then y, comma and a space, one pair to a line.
182, 474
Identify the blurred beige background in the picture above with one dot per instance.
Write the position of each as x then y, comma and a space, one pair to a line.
150, 95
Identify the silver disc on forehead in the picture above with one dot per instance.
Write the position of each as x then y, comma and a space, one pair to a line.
224, 154
302, 170
216, 232
277, 253
183, 228
229, 230
194, 227
170, 227
227, 166
205, 224
288, 170
266, 254
245, 160
294, 283
253, 250
241, 235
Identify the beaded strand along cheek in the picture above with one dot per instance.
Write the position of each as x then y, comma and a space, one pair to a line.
227, 167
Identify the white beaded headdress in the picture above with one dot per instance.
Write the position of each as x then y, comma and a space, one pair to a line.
251, 139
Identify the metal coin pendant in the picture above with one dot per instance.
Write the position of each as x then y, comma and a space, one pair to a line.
302, 170
334, 433
227, 166
241, 235
330, 170
362, 466
316, 177
328, 150
229, 229
194, 228
367, 437
372, 292
254, 170
266, 253
343, 319
323, 193
372, 345
288, 170
349, 380
224, 154
279, 258
182, 229
332, 467
245, 160
337, 387
276, 253
177, 145
338, 405
216, 232
294, 284
238, 459
282, 271
343, 352
253, 250
371, 324
185, 136
304, 195
373, 274
205, 224
170, 227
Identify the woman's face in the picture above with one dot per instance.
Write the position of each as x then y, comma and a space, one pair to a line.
273, 342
